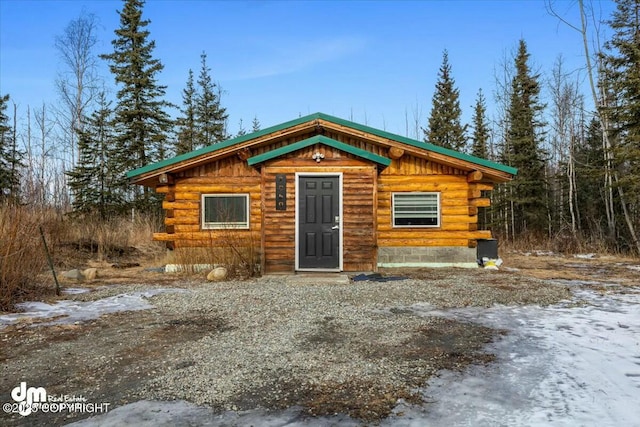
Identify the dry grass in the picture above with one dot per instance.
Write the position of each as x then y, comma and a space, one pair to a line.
112, 240
601, 268
22, 255
73, 243
231, 248
562, 243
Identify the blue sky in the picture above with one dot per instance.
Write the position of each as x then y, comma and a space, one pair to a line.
375, 62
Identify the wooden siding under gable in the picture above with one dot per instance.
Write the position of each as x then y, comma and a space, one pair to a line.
358, 226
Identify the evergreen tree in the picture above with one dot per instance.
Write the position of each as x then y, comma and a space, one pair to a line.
255, 124
210, 116
528, 192
480, 142
589, 159
445, 128
623, 63
187, 132
480, 138
10, 157
95, 181
140, 117
241, 130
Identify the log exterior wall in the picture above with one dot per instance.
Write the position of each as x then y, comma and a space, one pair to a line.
367, 210
183, 210
459, 198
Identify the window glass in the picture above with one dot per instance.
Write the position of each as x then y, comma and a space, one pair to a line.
225, 211
416, 210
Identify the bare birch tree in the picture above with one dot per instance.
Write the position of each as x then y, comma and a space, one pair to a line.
78, 82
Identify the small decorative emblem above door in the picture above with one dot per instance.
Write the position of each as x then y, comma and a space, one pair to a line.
317, 156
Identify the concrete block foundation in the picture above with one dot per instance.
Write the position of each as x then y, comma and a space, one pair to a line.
421, 256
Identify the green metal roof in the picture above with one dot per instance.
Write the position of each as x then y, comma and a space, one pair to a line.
315, 140
230, 142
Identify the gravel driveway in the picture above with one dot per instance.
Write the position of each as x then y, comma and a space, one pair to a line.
267, 343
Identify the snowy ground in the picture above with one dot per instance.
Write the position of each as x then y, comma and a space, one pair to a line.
67, 311
573, 364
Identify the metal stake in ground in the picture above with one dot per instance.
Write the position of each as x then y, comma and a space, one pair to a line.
53, 271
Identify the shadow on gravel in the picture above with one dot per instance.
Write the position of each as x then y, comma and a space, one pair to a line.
438, 344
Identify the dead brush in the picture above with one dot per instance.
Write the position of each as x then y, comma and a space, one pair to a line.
112, 238
239, 254
22, 257
231, 248
563, 242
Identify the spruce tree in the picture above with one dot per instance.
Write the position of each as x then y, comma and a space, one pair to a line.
140, 118
528, 190
210, 116
445, 128
589, 159
241, 130
10, 156
479, 143
187, 133
255, 124
95, 181
480, 137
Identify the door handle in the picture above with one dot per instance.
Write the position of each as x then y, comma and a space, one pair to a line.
335, 227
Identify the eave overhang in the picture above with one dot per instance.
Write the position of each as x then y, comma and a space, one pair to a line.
148, 175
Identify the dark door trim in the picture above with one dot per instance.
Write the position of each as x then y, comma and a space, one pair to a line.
340, 224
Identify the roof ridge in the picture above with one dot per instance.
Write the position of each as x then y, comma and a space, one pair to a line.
336, 120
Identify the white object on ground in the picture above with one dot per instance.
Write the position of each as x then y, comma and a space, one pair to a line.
77, 311
585, 256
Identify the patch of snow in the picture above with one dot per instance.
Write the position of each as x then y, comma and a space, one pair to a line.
562, 365
179, 413
585, 256
587, 283
634, 267
67, 311
539, 252
544, 253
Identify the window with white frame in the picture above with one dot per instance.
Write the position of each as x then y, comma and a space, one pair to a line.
416, 209
225, 211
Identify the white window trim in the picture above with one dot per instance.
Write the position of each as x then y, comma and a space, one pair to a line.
223, 226
430, 193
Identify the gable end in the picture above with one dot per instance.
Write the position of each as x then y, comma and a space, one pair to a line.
322, 140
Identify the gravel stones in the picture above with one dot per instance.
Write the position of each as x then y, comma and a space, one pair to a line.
324, 346
284, 343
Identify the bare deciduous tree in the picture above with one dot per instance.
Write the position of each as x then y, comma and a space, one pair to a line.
603, 107
78, 82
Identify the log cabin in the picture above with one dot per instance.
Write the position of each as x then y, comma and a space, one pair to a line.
320, 193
